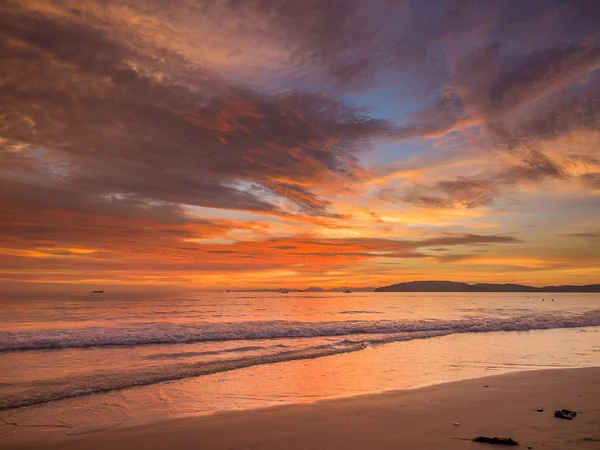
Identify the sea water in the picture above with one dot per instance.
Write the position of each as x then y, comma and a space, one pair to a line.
84, 362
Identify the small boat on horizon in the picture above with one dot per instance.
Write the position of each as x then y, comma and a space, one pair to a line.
346, 290
99, 291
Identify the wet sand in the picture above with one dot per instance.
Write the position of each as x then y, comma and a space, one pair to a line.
502, 405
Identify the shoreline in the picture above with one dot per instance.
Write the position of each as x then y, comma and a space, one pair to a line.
414, 418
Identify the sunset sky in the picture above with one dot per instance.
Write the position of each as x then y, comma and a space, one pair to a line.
294, 143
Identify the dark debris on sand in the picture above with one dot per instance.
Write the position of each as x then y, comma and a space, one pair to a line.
565, 414
495, 440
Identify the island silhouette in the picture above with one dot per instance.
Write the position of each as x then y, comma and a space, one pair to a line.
444, 286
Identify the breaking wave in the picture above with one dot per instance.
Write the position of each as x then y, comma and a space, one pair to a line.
164, 333
91, 384
354, 336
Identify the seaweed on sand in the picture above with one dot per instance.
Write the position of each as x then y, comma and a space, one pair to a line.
496, 440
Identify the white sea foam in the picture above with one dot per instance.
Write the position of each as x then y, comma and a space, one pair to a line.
165, 333
354, 336
90, 384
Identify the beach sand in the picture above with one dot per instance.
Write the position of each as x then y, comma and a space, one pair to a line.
503, 405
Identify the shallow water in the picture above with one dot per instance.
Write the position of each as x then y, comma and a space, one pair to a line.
150, 357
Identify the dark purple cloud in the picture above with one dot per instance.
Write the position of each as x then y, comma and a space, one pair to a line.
470, 239
591, 235
99, 117
592, 180
480, 190
461, 192
84, 129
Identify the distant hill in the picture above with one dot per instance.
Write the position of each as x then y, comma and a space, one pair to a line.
353, 289
452, 286
338, 289
313, 289
269, 290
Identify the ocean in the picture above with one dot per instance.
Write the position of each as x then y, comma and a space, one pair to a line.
82, 363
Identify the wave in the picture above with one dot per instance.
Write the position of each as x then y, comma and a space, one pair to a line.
177, 355
165, 333
91, 384
365, 335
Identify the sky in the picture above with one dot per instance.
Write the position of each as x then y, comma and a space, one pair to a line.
233, 144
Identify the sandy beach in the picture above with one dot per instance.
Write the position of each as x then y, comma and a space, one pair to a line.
502, 405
